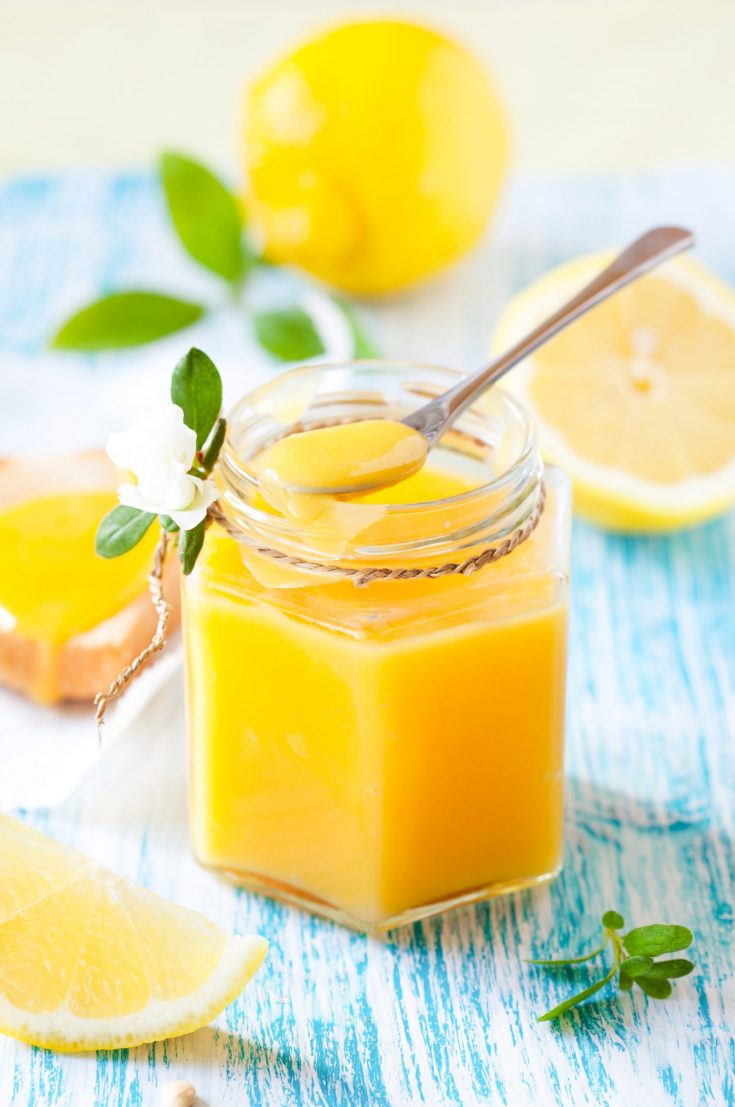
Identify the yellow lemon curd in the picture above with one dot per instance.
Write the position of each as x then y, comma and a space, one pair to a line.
350, 457
379, 753
53, 585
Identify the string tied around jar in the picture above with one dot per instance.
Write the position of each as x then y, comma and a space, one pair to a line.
360, 577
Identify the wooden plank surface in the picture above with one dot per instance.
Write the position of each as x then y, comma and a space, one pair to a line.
441, 1013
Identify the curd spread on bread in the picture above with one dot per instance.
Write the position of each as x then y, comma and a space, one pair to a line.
53, 586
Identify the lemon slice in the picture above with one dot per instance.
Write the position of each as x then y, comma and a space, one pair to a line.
636, 400
89, 960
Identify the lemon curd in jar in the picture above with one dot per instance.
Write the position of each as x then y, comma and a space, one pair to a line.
379, 753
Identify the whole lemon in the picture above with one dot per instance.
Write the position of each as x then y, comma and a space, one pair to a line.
375, 154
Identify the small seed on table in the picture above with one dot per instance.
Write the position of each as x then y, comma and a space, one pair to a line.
179, 1093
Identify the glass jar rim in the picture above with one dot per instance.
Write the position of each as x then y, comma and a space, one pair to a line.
520, 413
255, 419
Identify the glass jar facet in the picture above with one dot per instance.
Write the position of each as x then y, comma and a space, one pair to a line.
381, 753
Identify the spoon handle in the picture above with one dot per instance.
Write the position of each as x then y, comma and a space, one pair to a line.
645, 253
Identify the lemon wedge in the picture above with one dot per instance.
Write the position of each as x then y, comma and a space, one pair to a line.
91, 960
636, 400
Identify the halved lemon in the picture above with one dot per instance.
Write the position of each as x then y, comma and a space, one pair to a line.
635, 400
89, 960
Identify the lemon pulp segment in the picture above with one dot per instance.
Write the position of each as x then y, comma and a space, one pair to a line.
91, 960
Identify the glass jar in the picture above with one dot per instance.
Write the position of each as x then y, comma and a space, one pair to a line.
381, 753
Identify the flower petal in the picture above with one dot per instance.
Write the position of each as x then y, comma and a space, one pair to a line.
129, 495
162, 443
193, 515
183, 493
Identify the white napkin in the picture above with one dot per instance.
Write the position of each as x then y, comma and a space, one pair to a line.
45, 751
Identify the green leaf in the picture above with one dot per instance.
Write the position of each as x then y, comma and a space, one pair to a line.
196, 387
567, 1005
636, 966
555, 963
205, 214
288, 334
613, 920
658, 938
364, 347
669, 970
121, 529
168, 524
625, 983
654, 987
125, 319
213, 447
190, 546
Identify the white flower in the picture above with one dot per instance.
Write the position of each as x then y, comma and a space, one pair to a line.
159, 452
186, 500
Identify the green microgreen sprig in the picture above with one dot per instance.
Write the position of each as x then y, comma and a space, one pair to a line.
196, 387
634, 961
210, 223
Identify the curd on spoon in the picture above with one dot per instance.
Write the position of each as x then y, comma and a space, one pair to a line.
349, 459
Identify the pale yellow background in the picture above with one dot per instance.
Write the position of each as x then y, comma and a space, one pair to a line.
599, 85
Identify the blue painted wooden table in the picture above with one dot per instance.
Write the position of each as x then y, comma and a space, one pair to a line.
441, 1013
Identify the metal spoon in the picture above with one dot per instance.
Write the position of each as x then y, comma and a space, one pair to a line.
644, 254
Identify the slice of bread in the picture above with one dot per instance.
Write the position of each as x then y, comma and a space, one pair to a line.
87, 663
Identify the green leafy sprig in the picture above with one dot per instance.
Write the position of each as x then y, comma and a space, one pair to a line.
634, 960
209, 221
196, 387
